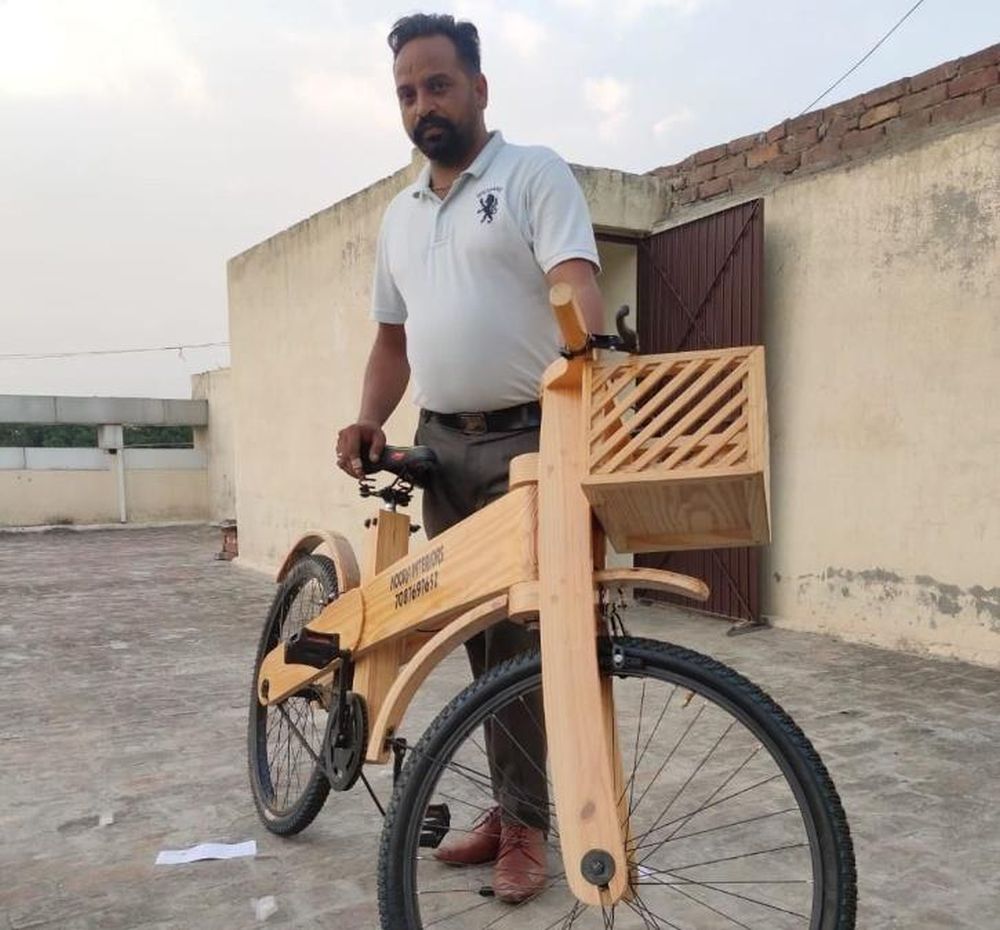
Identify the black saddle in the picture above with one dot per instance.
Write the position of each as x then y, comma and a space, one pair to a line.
413, 464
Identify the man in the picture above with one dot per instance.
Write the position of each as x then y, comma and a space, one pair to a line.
465, 259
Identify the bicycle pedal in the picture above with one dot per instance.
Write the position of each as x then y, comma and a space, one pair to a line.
307, 647
437, 822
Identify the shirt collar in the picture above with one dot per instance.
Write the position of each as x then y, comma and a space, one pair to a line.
421, 187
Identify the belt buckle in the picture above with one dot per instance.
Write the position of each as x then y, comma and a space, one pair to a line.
471, 422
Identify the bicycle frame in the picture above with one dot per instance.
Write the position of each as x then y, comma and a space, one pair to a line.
537, 551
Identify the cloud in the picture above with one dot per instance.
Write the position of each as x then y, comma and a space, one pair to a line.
522, 34
97, 49
672, 121
608, 97
355, 100
358, 89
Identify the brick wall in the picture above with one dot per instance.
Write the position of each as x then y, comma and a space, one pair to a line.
952, 93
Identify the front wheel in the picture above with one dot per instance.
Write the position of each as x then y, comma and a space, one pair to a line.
732, 818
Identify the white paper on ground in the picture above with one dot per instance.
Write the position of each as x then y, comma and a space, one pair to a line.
207, 851
264, 907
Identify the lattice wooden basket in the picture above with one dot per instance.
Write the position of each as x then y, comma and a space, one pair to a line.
679, 450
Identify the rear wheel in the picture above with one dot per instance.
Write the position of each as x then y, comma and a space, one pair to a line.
732, 818
289, 787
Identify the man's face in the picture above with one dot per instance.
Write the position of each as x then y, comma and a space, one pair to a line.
441, 103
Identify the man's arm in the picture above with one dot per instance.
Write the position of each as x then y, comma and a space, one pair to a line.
386, 377
579, 274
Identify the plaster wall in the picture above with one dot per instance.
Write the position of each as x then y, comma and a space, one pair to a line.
882, 326
79, 486
217, 441
43, 497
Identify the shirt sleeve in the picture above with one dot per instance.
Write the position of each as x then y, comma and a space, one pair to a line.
559, 217
388, 305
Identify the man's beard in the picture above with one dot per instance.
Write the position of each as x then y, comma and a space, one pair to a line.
448, 148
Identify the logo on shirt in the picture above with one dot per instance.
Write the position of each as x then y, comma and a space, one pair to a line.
489, 204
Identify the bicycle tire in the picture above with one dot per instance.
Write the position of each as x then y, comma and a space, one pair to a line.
831, 857
298, 808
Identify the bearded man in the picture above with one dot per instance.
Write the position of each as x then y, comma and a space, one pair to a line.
466, 256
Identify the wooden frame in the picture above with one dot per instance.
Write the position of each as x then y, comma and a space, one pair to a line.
609, 434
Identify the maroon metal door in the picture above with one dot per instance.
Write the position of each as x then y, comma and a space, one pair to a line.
700, 287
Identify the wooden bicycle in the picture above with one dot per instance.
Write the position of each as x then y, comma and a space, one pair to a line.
674, 792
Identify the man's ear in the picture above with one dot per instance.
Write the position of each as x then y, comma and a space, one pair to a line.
482, 90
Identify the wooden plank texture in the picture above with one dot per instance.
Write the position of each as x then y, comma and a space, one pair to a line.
579, 753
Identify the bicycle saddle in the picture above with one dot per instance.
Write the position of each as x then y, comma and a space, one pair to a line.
414, 464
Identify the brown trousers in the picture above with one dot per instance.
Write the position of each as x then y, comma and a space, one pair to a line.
473, 471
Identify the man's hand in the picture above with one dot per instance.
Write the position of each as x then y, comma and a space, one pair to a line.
351, 440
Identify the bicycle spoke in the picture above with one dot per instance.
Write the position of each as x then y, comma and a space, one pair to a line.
717, 835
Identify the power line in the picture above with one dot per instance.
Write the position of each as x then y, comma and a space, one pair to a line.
863, 58
90, 352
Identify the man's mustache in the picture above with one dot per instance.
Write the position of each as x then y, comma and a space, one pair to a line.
431, 122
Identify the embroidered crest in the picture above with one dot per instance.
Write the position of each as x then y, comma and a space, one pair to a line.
488, 207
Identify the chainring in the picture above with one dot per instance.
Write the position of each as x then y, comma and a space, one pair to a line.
344, 750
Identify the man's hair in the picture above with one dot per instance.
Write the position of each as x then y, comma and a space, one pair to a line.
464, 35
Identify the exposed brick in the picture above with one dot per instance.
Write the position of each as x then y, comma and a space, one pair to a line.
805, 121
713, 188
878, 114
862, 138
904, 125
776, 132
762, 154
956, 109
729, 165
745, 142
786, 164
708, 155
744, 178
980, 59
972, 81
887, 92
701, 173
667, 171
853, 106
688, 195
836, 127
934, 75
800, 140
992, 100
930, 97
826, 153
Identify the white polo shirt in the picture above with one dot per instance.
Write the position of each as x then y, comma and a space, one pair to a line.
466, 275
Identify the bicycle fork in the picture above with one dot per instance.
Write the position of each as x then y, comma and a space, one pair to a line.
579, 712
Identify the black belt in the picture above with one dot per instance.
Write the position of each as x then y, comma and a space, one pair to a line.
523, 416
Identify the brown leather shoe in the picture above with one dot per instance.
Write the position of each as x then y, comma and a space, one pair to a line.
478, 845
520, 869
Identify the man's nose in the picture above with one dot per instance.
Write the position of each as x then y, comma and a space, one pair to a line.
425, 104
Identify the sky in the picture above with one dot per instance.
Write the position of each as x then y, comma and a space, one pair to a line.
145, 142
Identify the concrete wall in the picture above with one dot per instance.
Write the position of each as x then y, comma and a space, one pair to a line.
300, 335
881, 321
882, 324
79, 486
218, 441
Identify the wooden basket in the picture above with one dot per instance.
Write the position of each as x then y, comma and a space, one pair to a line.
678, 450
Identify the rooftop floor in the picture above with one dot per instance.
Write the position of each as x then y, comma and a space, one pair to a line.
126, 658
